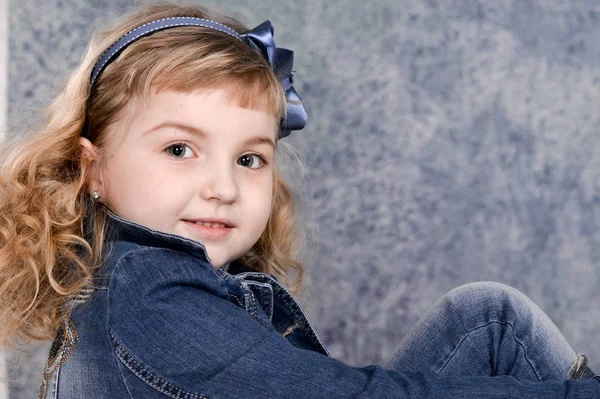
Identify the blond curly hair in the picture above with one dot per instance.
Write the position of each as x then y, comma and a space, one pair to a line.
45, 258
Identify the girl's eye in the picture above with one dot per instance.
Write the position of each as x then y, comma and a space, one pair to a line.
248, 161
179, 150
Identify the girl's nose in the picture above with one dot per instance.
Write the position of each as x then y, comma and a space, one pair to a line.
219, 184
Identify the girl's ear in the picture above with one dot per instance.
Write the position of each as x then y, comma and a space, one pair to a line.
89, 155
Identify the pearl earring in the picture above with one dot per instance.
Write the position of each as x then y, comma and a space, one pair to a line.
96, 195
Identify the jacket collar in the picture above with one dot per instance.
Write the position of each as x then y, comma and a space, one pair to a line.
120, 229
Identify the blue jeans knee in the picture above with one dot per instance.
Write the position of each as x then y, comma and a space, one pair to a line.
488, 328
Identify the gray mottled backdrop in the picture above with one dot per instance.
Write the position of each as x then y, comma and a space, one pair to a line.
449, 142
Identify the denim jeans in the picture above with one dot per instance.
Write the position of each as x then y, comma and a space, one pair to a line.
488, 329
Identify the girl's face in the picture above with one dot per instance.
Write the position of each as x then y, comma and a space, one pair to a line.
184, 157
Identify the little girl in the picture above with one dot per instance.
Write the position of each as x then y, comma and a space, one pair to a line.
147, 230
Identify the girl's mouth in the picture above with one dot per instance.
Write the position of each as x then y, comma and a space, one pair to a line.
214, 231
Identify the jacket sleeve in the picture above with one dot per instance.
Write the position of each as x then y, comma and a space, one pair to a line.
176, 334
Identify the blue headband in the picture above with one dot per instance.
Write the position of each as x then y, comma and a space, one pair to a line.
259, 38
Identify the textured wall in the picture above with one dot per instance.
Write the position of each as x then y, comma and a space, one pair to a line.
449, 142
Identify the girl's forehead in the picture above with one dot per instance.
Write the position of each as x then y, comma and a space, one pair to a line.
209, 111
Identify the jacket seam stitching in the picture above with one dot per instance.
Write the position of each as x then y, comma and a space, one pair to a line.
179, 394
240, 304
263, 297
254, 305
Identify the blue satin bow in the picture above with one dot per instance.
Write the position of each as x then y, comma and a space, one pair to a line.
259, 38
281, 61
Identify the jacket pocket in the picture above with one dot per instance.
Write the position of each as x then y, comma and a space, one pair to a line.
143, 383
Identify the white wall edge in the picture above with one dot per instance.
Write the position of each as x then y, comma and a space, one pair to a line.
3, 128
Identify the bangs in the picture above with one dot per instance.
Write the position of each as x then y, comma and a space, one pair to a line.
257, 93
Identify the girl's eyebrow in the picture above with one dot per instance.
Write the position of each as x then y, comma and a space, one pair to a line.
201, 133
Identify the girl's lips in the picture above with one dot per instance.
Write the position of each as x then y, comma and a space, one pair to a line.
213, 233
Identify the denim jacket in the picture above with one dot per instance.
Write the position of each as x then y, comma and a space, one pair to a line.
162, 322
